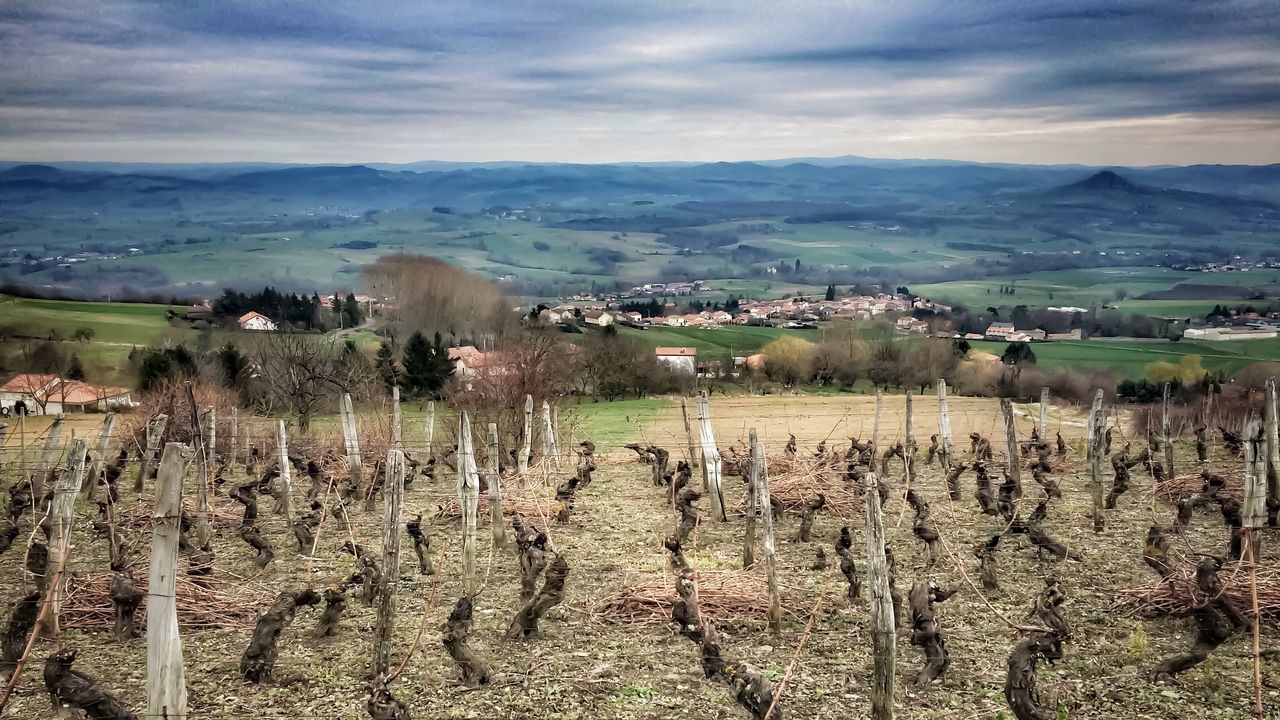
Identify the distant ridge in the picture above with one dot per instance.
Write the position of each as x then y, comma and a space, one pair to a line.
1108, 181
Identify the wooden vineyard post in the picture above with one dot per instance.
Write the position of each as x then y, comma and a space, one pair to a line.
211, 438
555, 431
4, 431
46, 458
944, 424
1013, 462
286, 471
710, 458
753, 494
526, 439
909, 448
883, 632
166, 681
202, 482
1254, 507
351, 440
688, 433
395, 417
550, 450
469, 498
1041, 427
1166, 432
431, 428
155, 433
235, 435
760, 471
495, 491
64, 515
99, 451
1273, 444
394, 495
875, 427
1097, 433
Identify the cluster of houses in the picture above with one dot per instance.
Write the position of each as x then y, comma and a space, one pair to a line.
35, 394
787, 312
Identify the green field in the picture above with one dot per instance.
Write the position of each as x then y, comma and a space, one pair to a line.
1128, 359
1098, 287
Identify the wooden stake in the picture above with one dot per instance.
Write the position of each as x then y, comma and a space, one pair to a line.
1273, 444
155, 433
203, 532
1013, 463
469, 498
495, 491
550, 451
395, 417
883, 632
753, 493
710, 458
46, 459
63, 513
1097, 434
351, 439
909, 447
688, 433
944, 424
235, 434
99, 452
1254, 507
286, 470
394, 495
760, 470
1166, 432
875, 428
166, 681
431, 428
526, 440
1044, 413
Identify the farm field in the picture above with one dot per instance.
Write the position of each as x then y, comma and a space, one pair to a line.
1128, 359
738, 339
587, 660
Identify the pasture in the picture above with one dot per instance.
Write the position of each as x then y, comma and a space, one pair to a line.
589, 660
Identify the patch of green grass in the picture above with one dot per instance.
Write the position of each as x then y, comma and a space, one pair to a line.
1128, 358
737, 339
610, 424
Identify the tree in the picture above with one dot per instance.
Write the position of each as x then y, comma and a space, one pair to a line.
788, 360
159, 366
75, 370
351, 314
1120, 293
960, 347
615, 366
1018, 353
831, 293
1188, 371
427, 366
234, 366
83, 333
304, 374
387, 365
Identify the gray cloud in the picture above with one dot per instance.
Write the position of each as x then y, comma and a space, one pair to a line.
349, 81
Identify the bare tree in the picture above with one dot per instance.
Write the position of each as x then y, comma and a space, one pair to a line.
304, 373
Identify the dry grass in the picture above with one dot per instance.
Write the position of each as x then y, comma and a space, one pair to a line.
722, 595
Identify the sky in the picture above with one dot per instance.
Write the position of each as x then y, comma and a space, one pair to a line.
1133, 82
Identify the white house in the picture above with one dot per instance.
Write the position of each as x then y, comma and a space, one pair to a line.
51, 395
256, 321
683, 360
599, 318
30, 390
1230, 333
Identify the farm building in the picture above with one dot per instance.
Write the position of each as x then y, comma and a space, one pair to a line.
599, 318
1230, 333
680, 359
255, 321
51, 395
1000, 330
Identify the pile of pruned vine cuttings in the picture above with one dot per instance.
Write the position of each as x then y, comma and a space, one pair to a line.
1005, 597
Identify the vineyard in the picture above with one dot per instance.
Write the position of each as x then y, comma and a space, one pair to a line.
715, 560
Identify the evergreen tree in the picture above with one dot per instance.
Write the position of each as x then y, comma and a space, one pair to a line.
351, 311
427, 366
385, 362
234, 366
75, 369
831, 293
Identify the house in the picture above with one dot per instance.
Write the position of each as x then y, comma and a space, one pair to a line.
1000, 331
256, 321
599, 318
550, 316
470, 362
51, 395
29, 389
683, 360
1074, 334
1231, 333
673, 321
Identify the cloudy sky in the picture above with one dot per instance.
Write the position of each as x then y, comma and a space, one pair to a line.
1088, 81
